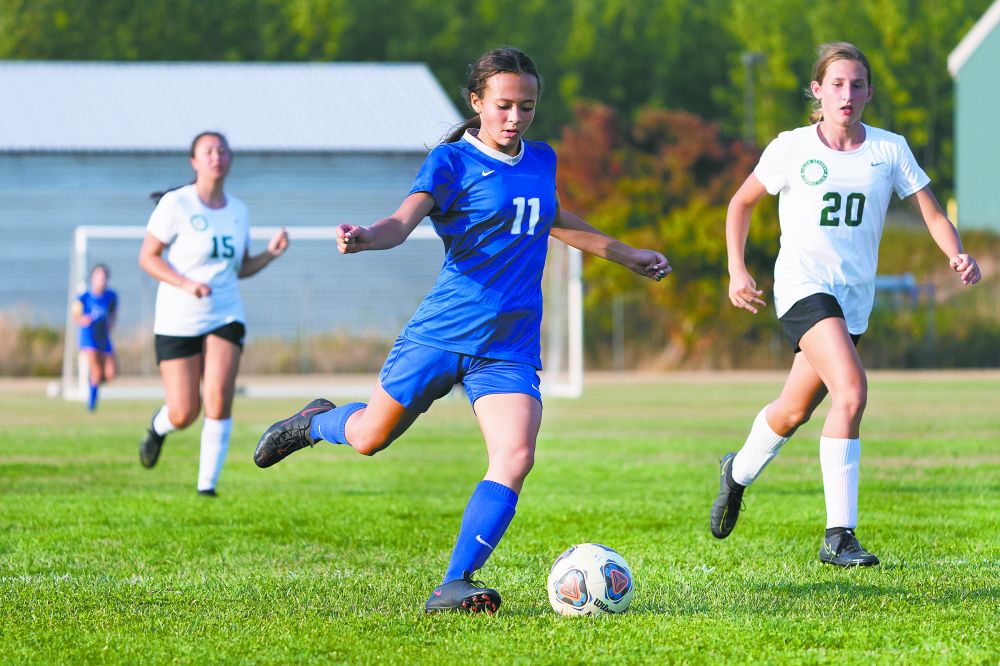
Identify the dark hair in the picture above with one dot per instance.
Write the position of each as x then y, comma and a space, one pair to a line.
102, 267
829, 53
505, 59
156, 196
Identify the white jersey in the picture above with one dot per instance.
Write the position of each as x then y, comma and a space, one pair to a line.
832, 210
205, 245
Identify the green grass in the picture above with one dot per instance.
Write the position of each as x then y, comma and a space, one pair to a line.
330, 556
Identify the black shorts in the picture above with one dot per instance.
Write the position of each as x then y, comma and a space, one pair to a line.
806, 313
169, 347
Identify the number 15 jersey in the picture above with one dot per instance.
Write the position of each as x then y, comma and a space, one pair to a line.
831, 208
494, 212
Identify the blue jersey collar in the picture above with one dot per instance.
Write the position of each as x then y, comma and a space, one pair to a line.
470, 136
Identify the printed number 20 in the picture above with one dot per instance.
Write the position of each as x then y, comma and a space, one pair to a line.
533, 204
853, 211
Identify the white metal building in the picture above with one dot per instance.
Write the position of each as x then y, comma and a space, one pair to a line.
85, 143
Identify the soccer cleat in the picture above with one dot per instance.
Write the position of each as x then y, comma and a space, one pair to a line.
463, 595
149, 447
843, 550
286, 437
726, 508
208, 492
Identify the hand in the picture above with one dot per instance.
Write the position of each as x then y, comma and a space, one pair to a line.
650, 263
278, 243
967, 266
352, 238
743, 292
196, 289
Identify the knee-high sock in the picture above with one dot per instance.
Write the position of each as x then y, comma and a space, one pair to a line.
214, 445
92, 397
487, 515
330, 425
761, 447
840, 459
161, 422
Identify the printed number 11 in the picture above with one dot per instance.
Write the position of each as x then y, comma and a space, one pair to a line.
533, 204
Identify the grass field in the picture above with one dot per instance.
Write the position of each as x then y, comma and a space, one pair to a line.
330, 556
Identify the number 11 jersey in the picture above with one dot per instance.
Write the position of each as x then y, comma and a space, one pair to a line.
494, 212
832, 207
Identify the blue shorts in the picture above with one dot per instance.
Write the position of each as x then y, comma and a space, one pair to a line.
95, 340
416, 375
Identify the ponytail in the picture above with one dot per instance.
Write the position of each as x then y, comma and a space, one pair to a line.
475, 122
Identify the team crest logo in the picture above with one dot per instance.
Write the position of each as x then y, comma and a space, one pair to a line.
199, 222
814, 172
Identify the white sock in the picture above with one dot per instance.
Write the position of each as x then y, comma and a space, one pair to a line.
761, 447
214, 446
840, 459
161, 422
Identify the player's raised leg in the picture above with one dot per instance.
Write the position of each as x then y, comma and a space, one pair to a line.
181, 378
366, 427
830, 350
775, 424
509, 422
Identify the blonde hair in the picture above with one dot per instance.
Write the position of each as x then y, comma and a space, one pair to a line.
829, 53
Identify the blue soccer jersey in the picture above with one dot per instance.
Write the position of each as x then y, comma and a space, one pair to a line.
100, 308
493, 212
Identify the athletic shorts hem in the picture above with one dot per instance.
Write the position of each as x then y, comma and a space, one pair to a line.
806, 313
171, 347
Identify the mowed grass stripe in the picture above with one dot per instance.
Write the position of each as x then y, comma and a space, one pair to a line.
329, 556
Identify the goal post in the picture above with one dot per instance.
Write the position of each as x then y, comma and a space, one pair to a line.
315, 313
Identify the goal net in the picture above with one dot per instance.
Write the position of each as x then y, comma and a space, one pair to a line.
315, 317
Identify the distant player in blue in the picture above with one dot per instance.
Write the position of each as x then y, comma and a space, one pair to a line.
94, 312
492, 198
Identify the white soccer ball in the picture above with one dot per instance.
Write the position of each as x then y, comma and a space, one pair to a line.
589, 579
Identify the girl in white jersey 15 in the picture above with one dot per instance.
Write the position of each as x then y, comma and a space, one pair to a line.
834, 179
199, 321
491, 196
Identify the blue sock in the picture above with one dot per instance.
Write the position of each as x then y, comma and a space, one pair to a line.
330, 425
487, 515
92, 399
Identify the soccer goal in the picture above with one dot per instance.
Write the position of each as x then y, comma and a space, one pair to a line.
313, 315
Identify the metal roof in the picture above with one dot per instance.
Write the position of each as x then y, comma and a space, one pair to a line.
974, 38
154, 107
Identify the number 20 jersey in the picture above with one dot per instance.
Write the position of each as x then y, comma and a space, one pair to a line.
494, 213
831, 208
205, 245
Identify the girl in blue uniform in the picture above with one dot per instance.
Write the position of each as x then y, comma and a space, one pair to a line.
492, 198
94, 312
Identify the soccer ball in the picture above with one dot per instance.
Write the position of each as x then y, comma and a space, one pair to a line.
589, 579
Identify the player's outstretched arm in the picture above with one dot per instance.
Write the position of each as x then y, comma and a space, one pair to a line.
945, 235
574, 231
743, 291
275, 248
151, 260
387, 232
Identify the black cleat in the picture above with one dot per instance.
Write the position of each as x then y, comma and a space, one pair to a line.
843, 550
286, 437
149, 447
726, 508
463, 595
208, 492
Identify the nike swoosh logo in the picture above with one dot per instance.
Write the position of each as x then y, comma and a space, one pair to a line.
488, 172
437, 593
304, 412
480, 540
875, 164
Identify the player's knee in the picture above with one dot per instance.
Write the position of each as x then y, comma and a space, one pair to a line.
852, 398
520, 462
788, 419
368, 444
183, 416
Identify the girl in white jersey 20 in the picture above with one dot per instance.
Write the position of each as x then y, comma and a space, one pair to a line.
834, 179
199, 321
